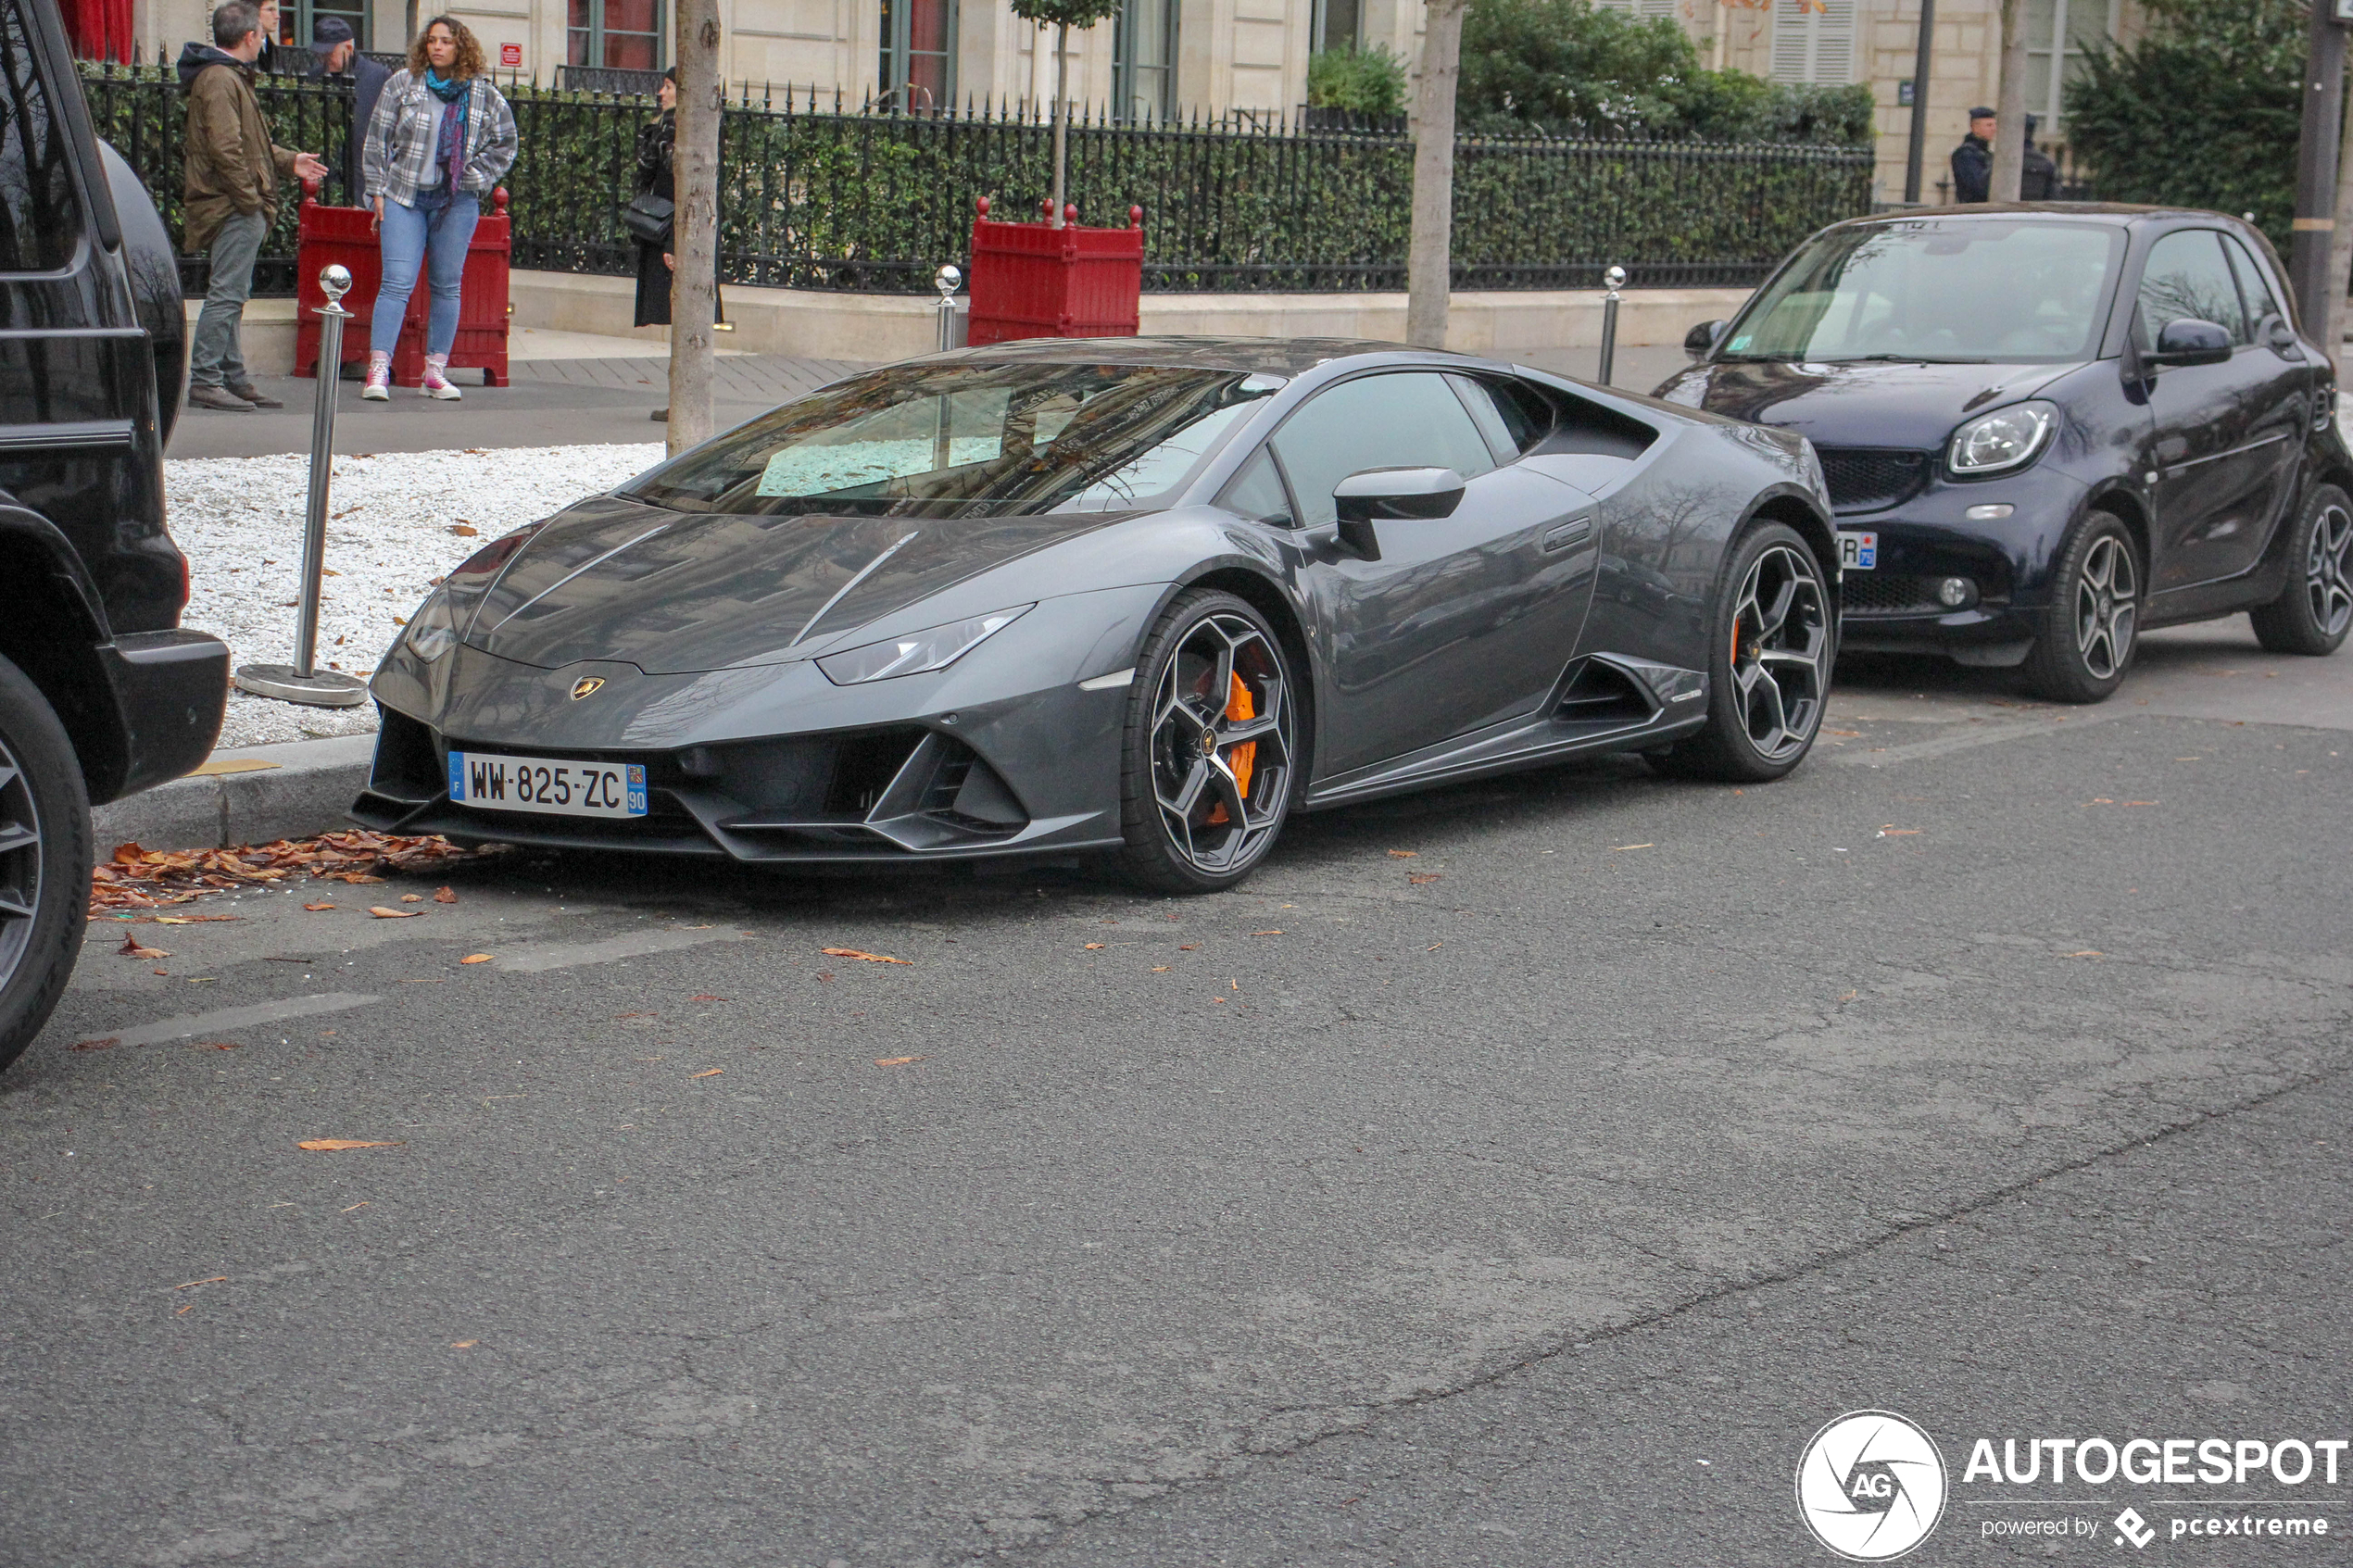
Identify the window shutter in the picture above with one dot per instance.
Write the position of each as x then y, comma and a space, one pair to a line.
1813, 40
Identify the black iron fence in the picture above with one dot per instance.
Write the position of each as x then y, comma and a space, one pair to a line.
816, 196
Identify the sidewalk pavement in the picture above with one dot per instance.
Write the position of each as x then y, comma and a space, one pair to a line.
603, 394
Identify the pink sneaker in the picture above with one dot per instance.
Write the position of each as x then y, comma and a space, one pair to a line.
379, 386
435, 385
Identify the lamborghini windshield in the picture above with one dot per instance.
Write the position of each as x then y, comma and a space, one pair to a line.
946, 440
1937, 290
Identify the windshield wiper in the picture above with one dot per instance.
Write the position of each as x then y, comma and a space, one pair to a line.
1901, 359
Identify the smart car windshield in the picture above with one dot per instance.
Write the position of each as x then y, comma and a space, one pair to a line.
1941, 291
951, 440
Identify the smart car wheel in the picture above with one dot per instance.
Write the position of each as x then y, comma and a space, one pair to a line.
2315, 607
1208, 772
2087, 643
1776, 640
44, 861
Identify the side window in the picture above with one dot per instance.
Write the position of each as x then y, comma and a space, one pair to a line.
39, 221
1510, 414
1408, 419
1257, 493
2186, 277
2260, 303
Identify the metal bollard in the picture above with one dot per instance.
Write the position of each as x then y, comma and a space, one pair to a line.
1614, 280
947, 280
302, 680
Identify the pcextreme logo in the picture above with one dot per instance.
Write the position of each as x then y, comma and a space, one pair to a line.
1870, 1485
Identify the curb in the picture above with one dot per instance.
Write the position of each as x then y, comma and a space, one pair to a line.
248, 796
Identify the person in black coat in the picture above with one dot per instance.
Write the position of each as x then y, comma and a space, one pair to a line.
657, 175
1973, 159
2038, 177
334, 51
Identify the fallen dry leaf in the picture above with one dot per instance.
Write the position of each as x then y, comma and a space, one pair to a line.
445, 896
1094, 947
713, 1072
362, 1204
475, 958
1899, 832
106, 1044
1217, 998
1615, 847
1157, 968
130, 950
217, 1279
897, 1060
216, 1045
1417, 878
2087, 953
315, 907
1402, 854
331, 1144
192, 919
185, 1310
869, 958
383, 913
1433, 946
1265, 933
465, 530
412, 898
463, 1344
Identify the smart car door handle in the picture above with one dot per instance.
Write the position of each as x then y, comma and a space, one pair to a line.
1574, 531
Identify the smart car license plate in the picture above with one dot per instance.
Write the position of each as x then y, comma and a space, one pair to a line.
560, 786
1859, 552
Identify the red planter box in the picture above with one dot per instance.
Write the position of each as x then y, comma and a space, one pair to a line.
328, 234
1031, 280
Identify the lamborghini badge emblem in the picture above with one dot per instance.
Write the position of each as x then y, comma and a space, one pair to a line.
586, 686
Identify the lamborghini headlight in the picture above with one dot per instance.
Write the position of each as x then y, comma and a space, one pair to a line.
433, 631
2006, 439
917, 652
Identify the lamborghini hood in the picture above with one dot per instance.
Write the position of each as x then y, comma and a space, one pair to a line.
675, 592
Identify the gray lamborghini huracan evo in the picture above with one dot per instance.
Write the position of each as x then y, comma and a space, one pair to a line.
1124, 597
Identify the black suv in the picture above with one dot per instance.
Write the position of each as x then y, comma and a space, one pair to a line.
100, 694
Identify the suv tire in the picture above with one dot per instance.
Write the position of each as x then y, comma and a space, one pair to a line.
44, 861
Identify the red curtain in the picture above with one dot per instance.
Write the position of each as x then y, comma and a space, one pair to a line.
100, 28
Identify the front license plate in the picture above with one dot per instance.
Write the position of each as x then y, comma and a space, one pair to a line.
546, 784
1859, 552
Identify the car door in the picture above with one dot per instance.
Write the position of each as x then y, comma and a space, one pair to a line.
2281, 383
2222, 434
1464, 620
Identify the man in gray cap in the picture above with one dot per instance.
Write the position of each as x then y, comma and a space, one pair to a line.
1973, 159
337, 53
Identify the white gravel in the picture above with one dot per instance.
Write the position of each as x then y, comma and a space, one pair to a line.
239, 520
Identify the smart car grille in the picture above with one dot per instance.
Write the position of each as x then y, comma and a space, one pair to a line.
1864, 479
1886, 593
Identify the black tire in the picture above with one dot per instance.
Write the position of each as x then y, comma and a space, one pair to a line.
2093, 627
1204, 793
45, 862
2315, 607
1774, 640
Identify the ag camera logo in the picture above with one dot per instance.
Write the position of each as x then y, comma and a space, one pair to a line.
1870, 1485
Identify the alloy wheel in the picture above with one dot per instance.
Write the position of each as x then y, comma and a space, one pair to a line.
1780, 652
2327, 578
1222, 739
2108, 594
19, 865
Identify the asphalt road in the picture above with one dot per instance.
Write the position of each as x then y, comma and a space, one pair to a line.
1519, 1173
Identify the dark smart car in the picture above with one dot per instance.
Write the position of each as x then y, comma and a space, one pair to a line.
2047, 429
1125, 598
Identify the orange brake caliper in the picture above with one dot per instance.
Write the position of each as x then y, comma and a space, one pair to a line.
1238, 707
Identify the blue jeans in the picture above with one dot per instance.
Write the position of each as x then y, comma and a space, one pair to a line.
439, 226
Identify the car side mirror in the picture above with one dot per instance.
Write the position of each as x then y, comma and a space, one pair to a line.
2189, 342
2280, 337
1703, 338
1391, 494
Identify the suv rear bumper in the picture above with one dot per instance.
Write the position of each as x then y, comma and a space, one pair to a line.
170, 691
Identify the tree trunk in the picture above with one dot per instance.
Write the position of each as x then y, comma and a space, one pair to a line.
1430, 254
2331, 330
2010, 126
694, 235
1062, 130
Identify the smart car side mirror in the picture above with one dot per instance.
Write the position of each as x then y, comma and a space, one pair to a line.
2189, 342
1394, 495
1703, 337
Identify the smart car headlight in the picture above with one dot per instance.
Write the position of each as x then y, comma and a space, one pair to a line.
432, 631
917, 652
2004, 440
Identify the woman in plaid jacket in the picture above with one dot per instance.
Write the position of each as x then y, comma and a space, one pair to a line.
440, 138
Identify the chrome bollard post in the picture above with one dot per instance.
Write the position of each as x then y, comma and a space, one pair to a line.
302, 680
946, 280
1613, 280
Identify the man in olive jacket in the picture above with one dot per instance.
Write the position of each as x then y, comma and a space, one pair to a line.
232, 194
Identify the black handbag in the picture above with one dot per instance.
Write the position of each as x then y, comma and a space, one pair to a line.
647, 218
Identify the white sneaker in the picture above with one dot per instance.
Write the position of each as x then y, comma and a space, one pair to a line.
435, 385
